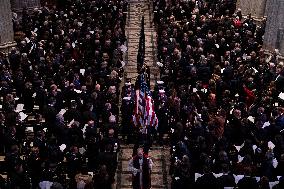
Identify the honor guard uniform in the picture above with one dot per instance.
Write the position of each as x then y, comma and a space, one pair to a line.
128, 89
163, 113
159, 86
127, 108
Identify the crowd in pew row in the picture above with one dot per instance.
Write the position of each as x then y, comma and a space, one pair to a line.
61, 82
221, 97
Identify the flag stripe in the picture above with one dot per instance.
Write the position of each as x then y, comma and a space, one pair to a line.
144, 114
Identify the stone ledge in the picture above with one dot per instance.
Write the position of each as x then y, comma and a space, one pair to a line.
280, 57
6, 47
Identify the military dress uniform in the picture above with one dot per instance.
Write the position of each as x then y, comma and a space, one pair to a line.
127, 108
128, 90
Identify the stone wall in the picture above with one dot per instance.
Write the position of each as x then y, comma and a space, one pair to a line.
6, 25
254, 7
274, 32
273, 10
18, 5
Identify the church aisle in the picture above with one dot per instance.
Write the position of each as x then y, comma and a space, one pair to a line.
136, 10
159, 154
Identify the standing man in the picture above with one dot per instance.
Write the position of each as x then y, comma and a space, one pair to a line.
141, 166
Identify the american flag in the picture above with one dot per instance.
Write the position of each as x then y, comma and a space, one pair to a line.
144, 114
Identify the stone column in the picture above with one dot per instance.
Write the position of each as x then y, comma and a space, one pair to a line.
254, 7
6, 26
274, 31
281, 41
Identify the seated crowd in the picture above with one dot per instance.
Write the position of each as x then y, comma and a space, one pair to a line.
221, 99
65, 70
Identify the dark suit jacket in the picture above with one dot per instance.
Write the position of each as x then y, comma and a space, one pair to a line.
226, 181
71, 114
109, 141
279, 83
50, 115
248, 182
207, 181
109, 159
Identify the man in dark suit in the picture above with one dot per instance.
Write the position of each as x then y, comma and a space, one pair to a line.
208, 180
110, 141
248, 181
89, 114
28, 99
50, 115
280, 118
41, 95
227, 179
109, 159
74, 163
93, 144
279, 81
57, 95
72, 113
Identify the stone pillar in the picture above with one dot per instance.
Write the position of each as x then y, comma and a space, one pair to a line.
6, 26
274, 31
281, 44
254, 7
18, 5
